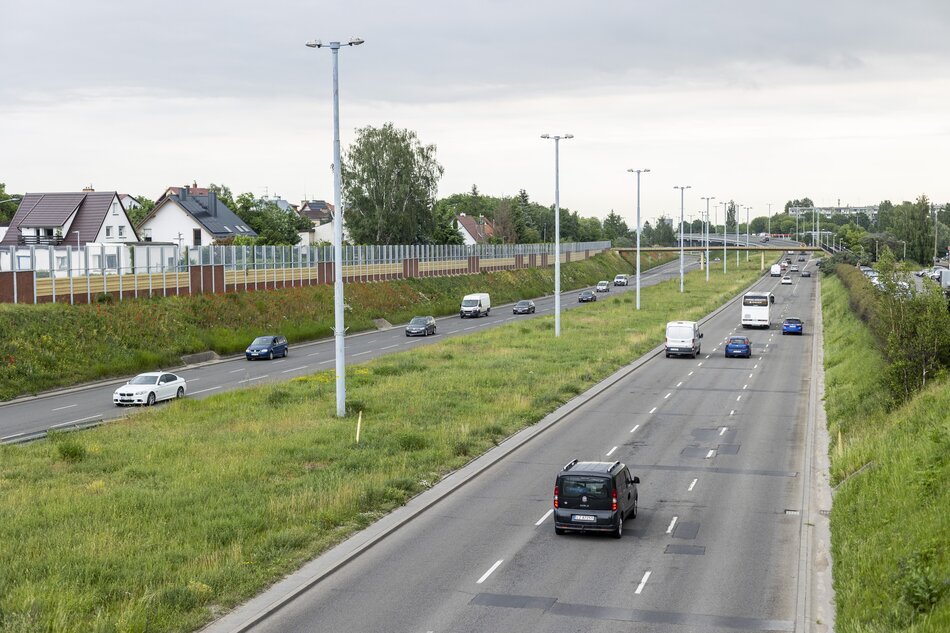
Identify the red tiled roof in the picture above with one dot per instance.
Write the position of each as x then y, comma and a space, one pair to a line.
479, 228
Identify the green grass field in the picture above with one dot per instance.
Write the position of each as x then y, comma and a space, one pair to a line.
890, 520
57, 345
163, 520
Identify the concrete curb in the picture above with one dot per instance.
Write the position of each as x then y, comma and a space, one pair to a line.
260, 607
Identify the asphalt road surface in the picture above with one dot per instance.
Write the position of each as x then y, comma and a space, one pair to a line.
75, 407
718, 445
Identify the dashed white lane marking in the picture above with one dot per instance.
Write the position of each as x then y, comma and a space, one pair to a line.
470, 328
745, 386
611, 451
192, 379
68, 406
750, 375
324, 362
679, 384
546, 515
635, 427
756, 366
389, 347
692, 485
489, 572
669, 530
700, 364
723, 430
287, 371
689, 374
738, 398
733, 412
234, 371
251, 379
667, 395
643, 582
760, 358
195, 393
710, 453
653, 410
315, 354
369, 351
707, 357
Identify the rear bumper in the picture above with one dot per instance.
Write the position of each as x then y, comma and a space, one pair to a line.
604, 521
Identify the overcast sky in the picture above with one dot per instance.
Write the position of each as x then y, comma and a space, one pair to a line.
752, 100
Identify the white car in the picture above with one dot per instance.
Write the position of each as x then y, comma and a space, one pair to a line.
786, 281
149, 388
603, 286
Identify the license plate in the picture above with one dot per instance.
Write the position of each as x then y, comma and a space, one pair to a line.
583, 517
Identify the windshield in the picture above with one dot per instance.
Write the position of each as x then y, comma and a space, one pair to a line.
755, 300
144, 380
523, 304
469, 303
418, 321
679, 331
262, 340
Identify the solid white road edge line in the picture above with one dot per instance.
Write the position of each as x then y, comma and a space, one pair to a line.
546, 515
643, 582
489, 572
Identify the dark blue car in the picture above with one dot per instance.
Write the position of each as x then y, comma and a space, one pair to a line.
739, 346
793, 325
267, 347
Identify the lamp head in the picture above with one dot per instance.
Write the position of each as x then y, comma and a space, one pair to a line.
568, 136
545, 136
314, 44
355, 41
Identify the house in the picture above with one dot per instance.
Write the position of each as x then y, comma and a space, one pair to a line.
183, 217
474, 230
320, 212
128, 202
70, 219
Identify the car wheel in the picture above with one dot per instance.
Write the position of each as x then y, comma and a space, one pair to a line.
286, 351
150, 400
633, 515
181, 393
270, 355
618, 532
558, 531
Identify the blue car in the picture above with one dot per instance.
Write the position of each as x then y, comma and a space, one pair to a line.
267, 347
793, 325
739, 346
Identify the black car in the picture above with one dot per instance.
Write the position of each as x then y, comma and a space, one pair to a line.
421, 326
594, 497
523, 307
806, 273
801, 258
586, 295
267, 347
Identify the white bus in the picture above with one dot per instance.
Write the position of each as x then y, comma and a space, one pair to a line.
756, 307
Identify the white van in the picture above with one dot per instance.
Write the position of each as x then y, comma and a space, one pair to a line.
776, 270
475, 305
682, 339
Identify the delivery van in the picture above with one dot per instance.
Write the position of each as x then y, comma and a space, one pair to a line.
776, 270
475, 305
682, 339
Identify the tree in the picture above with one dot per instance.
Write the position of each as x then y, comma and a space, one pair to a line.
505, 225
663, 234
390, 182
7, 209
731, 216
911, 222
804, 202
223, 193
137, 214
614, 227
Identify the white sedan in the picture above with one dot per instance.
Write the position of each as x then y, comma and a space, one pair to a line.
786, 281
149, 388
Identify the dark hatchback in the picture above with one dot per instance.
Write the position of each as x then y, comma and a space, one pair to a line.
421, 326
793, 325
586, 295
523, 307
739, 346
594, 497
267, 347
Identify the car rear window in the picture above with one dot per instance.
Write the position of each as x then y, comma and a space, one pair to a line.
582, 485
793, 321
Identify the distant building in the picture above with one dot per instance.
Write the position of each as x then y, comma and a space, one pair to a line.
182, 217
320, 212
73, 219
129, 202
474, 230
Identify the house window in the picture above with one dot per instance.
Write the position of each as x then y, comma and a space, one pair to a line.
196, 237
115, 207
112, 262
121, 231
226, 228
108, 231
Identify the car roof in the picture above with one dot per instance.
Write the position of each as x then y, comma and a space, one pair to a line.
591, 468
740, 337
153, 373
792, 318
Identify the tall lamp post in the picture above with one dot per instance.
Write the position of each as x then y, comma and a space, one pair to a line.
682, 194
557, 229
638, 172
339, 331
707, 199
747, 233
725, 232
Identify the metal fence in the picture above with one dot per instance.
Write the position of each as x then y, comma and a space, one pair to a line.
42, 274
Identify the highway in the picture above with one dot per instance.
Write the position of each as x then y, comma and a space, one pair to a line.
719, 446
70, 408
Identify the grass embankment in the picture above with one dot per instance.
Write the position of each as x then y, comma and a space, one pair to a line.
890, 522
162, 520
56, 345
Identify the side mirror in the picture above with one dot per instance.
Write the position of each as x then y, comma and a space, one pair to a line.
772, 299
636, 480
700, 335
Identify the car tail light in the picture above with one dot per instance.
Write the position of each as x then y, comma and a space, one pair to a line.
613, 505
555, 496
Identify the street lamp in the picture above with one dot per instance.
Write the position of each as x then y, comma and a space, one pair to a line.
707, 199
682, 193
747, 233
725, 230
557, 230
638, 172
339, 330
